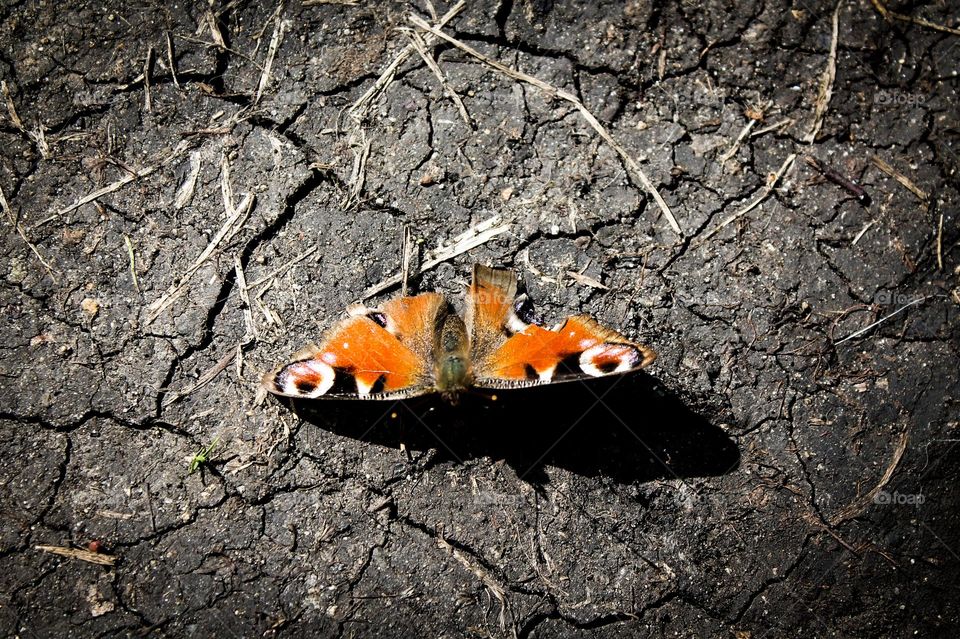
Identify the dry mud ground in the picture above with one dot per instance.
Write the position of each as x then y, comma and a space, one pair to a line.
192, 194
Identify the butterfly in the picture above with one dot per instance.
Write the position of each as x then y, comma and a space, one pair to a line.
418, 345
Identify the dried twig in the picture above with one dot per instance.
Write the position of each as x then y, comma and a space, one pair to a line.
23, 234
470, 239
764, 192
863, 502
631, 164
359, 107
880, 321
76, 553
886, 13
271, 53
421, 48
832, 175
900, 177
110, 188
233, 224
826, 81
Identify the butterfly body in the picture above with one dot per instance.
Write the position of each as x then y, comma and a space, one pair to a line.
452, 356
419, 345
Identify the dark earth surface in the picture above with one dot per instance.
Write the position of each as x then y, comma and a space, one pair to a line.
767, 478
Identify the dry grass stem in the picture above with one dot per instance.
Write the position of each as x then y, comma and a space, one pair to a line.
863, 231
133, 269
773, 127
147, 101
940, 243
466, 241
826, 81
586, 280
37, 137
497, 589
11, 107
279, 270
744, 132
880, 321
226, 187
886, 13
211, 21
23, 235
275, 40
110, 188
863, 502
76, 553
421, 48
170, 63
900, 177
764, 193
632, 166
406, 251
204, 379
252, 333
189, 186
359, 107
230, 228
359, 172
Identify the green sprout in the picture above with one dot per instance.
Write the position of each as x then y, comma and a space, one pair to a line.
203, 455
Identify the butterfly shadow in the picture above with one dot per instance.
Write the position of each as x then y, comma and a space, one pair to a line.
630, 429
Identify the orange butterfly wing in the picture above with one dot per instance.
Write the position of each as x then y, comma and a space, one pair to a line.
375, 354
509, 353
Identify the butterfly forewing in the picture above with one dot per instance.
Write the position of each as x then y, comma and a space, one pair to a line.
579, 348
358, 358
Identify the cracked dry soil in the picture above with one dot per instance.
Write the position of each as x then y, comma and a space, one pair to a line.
769, 477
